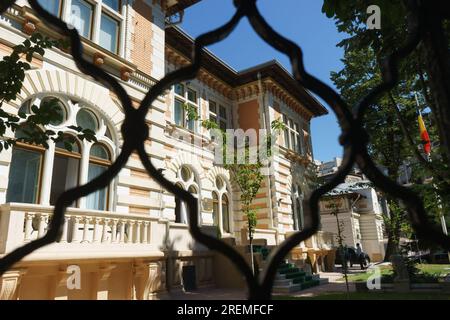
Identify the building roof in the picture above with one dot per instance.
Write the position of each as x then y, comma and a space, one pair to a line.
175, 6
349, 188
177, 39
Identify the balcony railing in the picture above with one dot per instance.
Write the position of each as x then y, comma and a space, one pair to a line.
90, 233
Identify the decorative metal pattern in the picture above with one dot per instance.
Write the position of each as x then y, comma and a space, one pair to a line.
135, 131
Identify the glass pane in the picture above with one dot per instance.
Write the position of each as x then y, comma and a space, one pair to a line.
97, 199
286, 138
23, 181
291, 124
219, 183
86, 120
223, 125
179, 89
191, 124
212, 107
26, 107
223, 112
108, 133
81, 17
58, 106
62, 145
296, 127
225, 214
192, 190
215, 209
64, 176
293, 142
212, 118
109, 30
185, 174
51, 6
99, 151
179, 113
192, 95
299, 144
113, 4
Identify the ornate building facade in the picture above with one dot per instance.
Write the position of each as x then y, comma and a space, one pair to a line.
131, 240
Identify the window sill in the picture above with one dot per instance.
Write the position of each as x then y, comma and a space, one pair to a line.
193, 137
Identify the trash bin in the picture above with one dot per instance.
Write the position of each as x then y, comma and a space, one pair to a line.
189, 278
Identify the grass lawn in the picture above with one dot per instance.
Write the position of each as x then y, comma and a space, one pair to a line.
428, 271
371, 296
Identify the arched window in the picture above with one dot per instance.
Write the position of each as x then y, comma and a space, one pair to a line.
66, 167
99, 161
221, 205
25, 171
188, 182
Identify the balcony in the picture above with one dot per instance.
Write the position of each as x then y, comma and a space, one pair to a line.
89, 234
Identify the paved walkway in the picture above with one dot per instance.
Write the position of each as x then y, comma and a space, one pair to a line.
336, 284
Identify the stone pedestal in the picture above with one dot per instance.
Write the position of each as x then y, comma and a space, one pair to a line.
10, 283
149, 280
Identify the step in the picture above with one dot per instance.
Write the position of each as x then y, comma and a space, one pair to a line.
280, 276
286, 289
282, 282
295, 275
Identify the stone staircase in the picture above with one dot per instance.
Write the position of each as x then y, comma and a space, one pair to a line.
289, 277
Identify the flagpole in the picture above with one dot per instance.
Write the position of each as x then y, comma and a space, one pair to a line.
441, 214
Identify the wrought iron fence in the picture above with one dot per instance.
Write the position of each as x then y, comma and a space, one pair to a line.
354, 138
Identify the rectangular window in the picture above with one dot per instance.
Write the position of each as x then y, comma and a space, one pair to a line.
292, 135
52, 6
185, 96
221, 117
109, 33
24, 176
81, 17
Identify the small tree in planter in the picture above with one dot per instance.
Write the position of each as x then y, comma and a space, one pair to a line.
247, 176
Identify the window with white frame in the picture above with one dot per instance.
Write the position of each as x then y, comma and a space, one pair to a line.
187, 180
30, 181
185, 101
292, 135
97, 20
221, 205
218, 114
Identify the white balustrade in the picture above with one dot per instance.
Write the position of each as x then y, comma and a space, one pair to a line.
86, 229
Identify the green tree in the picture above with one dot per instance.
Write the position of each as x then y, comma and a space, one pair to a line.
392, 120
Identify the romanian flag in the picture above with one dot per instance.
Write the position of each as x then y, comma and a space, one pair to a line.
424, 136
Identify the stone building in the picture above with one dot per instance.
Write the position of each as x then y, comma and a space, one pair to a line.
131, 240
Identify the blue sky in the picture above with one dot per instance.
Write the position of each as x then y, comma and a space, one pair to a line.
301, 21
